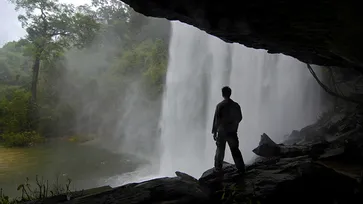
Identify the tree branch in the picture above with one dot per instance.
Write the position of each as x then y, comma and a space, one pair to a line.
62, 33
326, 89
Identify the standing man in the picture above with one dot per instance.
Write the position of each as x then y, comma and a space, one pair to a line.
227, 117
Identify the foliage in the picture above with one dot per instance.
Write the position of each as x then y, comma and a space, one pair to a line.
52, 26
41, 190
77, 62
14, 66
157, 65
149, 58
4, 199
13, 109
14, 123
21, 139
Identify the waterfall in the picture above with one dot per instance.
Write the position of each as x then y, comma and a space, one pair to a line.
276, 94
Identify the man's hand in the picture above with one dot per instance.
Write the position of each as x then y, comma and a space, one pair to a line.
215, 136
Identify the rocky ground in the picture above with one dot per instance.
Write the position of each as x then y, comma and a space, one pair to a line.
322, 163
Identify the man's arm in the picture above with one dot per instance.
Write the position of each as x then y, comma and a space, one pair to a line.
239, 113
215, 120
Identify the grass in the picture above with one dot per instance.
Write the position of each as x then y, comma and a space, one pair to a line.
42, 189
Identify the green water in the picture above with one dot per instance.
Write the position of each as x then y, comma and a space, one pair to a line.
87, 166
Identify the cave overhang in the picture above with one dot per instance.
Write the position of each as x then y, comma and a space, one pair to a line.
327, 33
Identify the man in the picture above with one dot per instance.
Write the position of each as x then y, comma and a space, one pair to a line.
227, 117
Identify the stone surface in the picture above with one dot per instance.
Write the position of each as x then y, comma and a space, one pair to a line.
289, 180
185, 176
268, 148
313, 31
163, 190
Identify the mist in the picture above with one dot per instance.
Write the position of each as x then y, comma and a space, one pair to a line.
118, 110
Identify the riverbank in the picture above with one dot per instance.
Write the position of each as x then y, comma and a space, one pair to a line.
31, 139
87, 165
321, 163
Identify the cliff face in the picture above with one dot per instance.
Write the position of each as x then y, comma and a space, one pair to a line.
313, 31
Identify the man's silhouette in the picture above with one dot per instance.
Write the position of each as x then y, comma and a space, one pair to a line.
227, 117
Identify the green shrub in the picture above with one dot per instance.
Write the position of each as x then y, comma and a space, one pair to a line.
14, 119
21, 139
14, 105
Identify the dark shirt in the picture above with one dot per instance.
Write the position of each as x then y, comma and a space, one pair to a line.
227, 117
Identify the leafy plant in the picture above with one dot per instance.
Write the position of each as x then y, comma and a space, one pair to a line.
3, 198
41, 190
21, 139
14, 110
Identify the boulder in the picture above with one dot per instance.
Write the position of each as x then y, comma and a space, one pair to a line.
293, 138
268, 148
174, 190
185, 176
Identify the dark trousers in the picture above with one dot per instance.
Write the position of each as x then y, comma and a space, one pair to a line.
232, 140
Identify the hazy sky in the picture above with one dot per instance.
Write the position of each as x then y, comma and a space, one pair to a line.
10, 28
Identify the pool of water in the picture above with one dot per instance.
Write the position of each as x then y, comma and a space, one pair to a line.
86, 165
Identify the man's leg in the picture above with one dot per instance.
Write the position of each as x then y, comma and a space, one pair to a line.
233, 143
219, 157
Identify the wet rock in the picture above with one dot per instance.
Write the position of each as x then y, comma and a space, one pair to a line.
174, 190
185, 176
268, 148
317, 32
229, 173
293, 138
353, 149
289, 180
73, 195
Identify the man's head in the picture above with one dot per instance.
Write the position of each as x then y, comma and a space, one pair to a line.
226, 92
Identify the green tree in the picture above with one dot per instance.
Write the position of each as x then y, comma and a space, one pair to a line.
53, 27
13, 64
